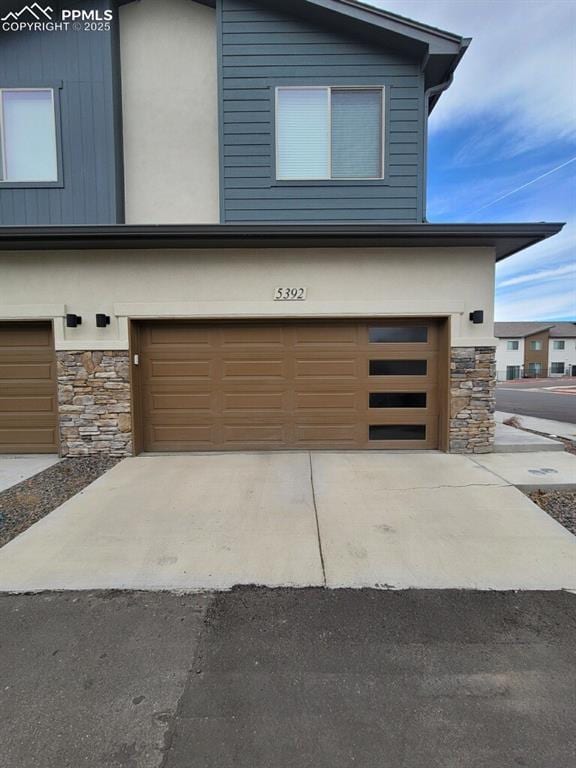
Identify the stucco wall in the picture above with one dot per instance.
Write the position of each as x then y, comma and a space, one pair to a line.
241, 283
170, 112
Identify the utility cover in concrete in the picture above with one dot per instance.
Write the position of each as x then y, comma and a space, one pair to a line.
533, 469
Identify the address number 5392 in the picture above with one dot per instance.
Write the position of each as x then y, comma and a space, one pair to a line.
290, 294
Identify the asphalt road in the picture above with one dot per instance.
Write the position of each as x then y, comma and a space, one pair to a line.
258, 678
541, 404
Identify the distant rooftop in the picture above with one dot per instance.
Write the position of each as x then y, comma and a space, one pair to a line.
523, 329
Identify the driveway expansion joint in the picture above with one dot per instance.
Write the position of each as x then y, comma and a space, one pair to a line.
322, 563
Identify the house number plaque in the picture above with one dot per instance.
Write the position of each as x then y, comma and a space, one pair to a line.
290, 294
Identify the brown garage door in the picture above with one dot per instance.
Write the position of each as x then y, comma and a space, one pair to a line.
224, 386
28, 411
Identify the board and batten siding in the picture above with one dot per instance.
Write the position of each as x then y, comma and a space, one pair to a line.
82, 67
263, 46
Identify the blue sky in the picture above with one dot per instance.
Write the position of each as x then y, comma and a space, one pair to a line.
509, 117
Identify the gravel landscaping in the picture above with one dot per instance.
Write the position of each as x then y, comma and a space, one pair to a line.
24, 504
561, 505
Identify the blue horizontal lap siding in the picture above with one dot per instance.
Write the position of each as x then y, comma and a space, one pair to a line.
83, 63
264, 47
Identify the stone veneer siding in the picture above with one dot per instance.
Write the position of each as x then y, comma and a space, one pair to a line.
95, 408
94, 403
472, 399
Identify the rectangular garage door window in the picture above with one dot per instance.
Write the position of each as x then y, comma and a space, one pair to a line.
398, 367
398, 400
398, 432
28, 134
398, 335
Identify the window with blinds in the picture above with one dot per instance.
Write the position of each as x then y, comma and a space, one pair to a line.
329, 133
28, 135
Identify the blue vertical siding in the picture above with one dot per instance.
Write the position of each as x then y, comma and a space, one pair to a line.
263, 45
87, 66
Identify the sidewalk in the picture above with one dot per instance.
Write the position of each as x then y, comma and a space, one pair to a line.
546, 426
512, 440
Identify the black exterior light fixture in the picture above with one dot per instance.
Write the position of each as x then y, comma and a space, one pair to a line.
73, 321
102, 321
477, 317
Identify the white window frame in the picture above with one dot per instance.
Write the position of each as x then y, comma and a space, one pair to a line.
558, 373
559, 345
27, 182
330, 88
536, 345
513, 345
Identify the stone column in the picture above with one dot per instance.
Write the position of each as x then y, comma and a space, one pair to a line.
94, 403
472, 399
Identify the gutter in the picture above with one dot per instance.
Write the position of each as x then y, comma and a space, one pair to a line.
435, 90
505, 239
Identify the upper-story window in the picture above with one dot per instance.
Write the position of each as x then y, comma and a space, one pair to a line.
513, 345
536, 346
329, 133
559, 345
28, 135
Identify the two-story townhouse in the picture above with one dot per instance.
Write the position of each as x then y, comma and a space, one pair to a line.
533, 349
562, 350
213, 234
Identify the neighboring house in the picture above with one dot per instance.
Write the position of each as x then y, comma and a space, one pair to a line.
214, 236
531, 350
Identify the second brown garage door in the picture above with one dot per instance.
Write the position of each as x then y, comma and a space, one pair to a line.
255, 386
28, 410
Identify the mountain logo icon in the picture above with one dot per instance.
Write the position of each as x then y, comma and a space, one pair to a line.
36, 11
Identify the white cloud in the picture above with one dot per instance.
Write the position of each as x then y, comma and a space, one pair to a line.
542, 275
519, 68
534, 306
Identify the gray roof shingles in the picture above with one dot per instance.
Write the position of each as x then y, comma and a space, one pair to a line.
521, 330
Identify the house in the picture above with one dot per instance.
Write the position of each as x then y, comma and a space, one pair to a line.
531, 350
213, 234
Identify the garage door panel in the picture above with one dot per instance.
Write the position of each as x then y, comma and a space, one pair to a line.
191, 369
326, 435
18, 336
326, 336
248, 337
254, 369
326, 369
289, 384
28, 403
21, 404
255, 434
182, 401
184, 434
25, 372
22, 437
254, 401
326, 400
179, 334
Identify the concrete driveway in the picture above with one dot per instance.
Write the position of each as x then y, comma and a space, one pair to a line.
294, 519
16, 468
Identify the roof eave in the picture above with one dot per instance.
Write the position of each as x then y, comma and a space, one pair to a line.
505, 239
